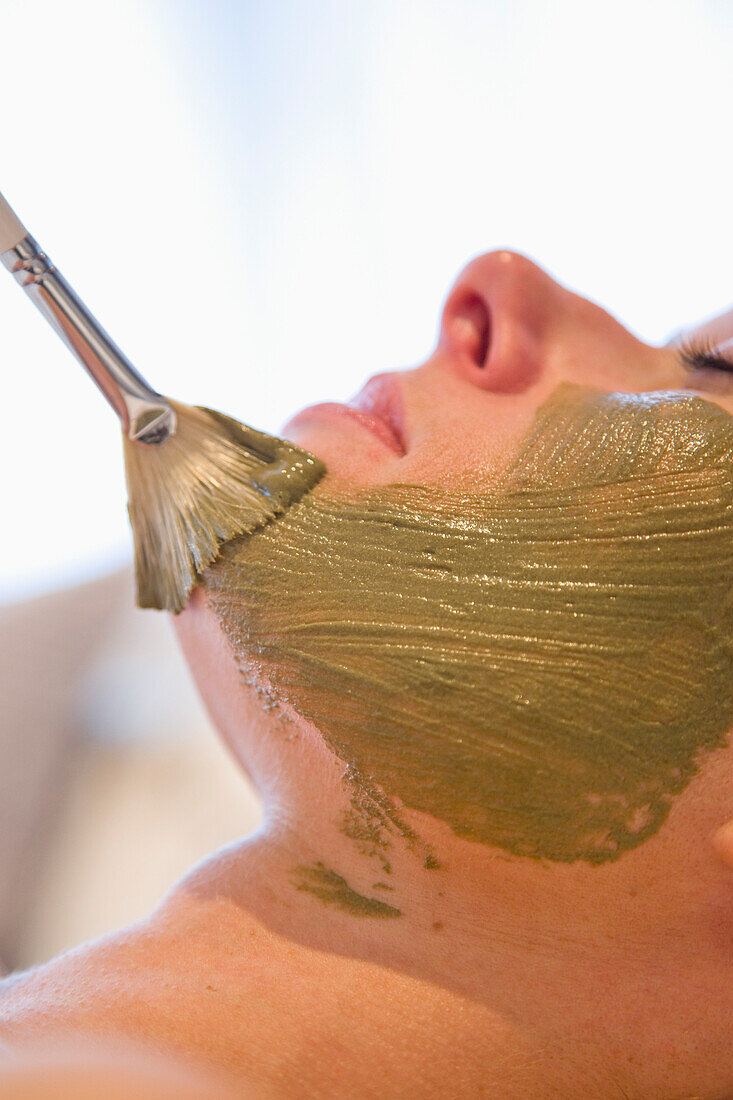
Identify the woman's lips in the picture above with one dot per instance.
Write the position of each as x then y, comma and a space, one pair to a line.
382, 397
377, 408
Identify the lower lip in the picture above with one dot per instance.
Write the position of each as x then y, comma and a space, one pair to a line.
333, 412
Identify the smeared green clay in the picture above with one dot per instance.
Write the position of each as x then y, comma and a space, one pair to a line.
334, 890
372, 821
543, 665
285, 472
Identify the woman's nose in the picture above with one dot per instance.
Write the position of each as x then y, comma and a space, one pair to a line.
495, 319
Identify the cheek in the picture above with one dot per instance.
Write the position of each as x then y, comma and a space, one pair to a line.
468, 448
607, 357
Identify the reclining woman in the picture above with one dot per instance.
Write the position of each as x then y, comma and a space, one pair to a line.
483, 678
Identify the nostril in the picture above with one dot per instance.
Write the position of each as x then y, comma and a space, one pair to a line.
470, 327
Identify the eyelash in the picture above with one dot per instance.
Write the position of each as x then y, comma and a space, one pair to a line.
701, 354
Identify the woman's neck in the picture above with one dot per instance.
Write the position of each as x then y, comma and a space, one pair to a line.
516, 957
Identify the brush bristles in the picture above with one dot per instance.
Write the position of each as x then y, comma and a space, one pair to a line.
213, 480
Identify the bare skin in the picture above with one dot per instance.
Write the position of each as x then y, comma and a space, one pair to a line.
86, 1070
501, 975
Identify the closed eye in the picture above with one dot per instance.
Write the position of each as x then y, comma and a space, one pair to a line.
702, 354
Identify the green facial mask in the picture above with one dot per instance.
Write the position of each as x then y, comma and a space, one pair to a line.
540, 665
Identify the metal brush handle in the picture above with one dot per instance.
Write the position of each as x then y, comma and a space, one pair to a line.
146, 415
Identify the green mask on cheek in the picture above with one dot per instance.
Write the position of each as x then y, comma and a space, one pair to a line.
540, 665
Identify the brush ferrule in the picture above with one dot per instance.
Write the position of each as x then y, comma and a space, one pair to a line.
146, 415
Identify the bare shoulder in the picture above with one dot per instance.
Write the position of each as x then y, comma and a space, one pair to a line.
125, 981
108, 1018
184, 981
83, 986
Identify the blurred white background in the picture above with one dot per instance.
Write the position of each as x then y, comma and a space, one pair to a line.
264, 202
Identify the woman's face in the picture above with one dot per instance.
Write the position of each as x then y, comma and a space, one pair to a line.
508, 604
509, 335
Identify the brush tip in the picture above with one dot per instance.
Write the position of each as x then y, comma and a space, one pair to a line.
213, 480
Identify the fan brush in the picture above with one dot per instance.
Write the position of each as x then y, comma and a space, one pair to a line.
195, 478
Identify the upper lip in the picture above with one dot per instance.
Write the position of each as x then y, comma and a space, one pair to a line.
381, 397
